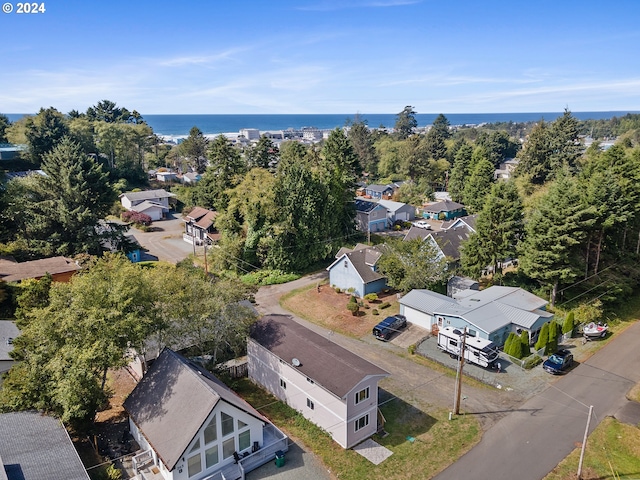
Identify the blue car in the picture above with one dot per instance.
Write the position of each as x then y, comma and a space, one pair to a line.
558, 362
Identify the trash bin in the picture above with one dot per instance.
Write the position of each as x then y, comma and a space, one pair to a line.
279, 458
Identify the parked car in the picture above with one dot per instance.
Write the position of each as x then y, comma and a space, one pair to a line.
558, 362
422, 224
388, 326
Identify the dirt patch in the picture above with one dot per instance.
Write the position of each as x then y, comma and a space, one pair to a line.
324, 306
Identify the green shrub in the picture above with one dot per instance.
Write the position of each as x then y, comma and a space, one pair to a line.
552, 344
351, 290
268, 277
569, 323
507, 344
532, 361
352, 299
543, 338
412, 349
353, 307
385, 305
371, 297
375, 312
524, 339
338, 290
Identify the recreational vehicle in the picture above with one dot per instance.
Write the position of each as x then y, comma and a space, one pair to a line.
477, 350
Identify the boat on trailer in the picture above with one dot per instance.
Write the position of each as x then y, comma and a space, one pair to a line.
595, 330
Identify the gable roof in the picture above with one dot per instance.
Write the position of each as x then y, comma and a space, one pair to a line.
202, 217
442, 206
379, 188
146, 205
416, 232
36, 446
11, 271
394, 206
328, 364
468, 220
8, 330
148, 195
449, 241
365, 206
362, 260
173, 400
488, 309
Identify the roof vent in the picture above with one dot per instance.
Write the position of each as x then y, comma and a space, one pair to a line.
10, 341
295, 362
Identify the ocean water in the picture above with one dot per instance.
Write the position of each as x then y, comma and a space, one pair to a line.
179, 125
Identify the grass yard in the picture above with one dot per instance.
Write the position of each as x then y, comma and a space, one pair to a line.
327, 308
613, 452
436, 441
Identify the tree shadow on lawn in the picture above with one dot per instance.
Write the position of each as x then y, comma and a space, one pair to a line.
403, 420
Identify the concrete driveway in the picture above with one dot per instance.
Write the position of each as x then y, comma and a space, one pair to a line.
166, 243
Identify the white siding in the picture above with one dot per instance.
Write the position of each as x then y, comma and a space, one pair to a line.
417, 317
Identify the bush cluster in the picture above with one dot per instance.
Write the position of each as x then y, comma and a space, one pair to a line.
268, 277
136, 218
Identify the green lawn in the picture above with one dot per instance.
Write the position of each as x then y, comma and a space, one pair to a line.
436, 441
612, 452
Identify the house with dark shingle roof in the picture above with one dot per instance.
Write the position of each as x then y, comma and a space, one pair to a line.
331, 386
355, 270
446, 209
191, 426
379, 191
36, 446
199, 226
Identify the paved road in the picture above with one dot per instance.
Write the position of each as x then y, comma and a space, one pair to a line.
529, 442
167, 243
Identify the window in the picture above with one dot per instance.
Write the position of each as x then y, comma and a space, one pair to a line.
196, 446
472, 333
244, 440
211, 456
241, 425
283, 384
362, 395
194, 465
453, 343
228, 447
310, 404
211, 431
362, 422
227, 424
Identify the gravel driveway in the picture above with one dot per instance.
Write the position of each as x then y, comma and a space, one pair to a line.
165, 244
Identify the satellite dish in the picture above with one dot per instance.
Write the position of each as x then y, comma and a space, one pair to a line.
295, 362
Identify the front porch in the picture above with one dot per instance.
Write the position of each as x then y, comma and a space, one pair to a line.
144, 468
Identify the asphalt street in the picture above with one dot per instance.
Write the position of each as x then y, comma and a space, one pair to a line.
529, 442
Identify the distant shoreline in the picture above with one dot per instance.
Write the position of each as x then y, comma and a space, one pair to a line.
178, 125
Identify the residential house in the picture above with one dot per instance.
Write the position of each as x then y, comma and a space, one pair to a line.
398, 211
192, 426
355, 270
492, 313
36, 446
443, 210
459, 287
199, 226
379, 191
61, 269
11, 152
446, 242
370, 216
154, 203
191, 178
8, 331
505, 172
468, 221
331, 386
166, 176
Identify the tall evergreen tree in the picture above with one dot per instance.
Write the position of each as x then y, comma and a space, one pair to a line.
194, 148
4, 124
436, 137
44, 132
405, 122
479, 183
62, 209
264, 154
362, 142
225, 171
460, 172
499, 228
554, 229
566, 147
535, 163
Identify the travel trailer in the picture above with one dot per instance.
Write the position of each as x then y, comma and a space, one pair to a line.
477, 350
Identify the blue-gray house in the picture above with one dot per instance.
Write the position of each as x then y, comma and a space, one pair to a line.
355, 270
443, 210
379, 191
370, 216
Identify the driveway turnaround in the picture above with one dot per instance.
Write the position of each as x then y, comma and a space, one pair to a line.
529, 442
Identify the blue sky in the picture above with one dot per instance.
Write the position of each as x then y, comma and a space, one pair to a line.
323, 56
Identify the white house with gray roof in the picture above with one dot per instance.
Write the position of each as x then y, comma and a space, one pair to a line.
154, 203
191, 426
331, 386
492, 313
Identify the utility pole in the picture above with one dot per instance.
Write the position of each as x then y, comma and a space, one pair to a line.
584, 443
456, 406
